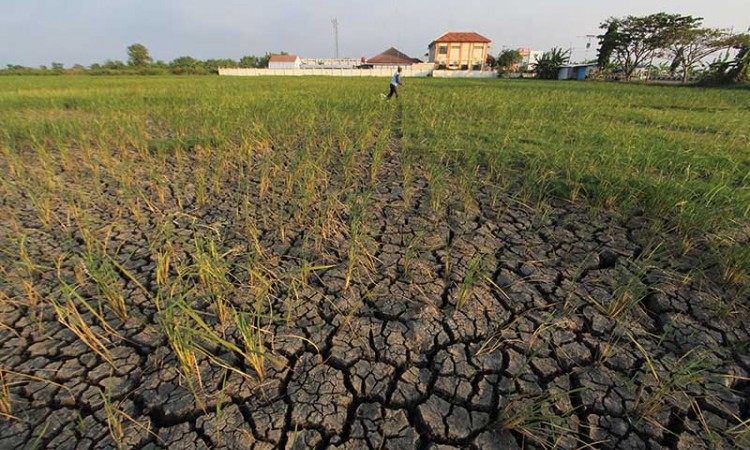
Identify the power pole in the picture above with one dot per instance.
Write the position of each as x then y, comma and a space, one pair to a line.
335, 23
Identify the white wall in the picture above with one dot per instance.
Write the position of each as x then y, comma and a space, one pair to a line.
463, 74
283, 65
416, 70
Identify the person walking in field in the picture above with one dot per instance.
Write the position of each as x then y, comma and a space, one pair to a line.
395, 82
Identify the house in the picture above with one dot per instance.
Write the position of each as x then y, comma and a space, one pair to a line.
392, 57
284, 62
576, 71
459, 51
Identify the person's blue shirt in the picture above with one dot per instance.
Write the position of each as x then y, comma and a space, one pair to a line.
396, 80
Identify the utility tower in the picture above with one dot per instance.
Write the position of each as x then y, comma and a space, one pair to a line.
335, 23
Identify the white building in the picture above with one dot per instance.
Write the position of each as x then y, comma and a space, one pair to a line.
529, 58
284, 62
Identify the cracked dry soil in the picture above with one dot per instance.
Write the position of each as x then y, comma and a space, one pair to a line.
576, 334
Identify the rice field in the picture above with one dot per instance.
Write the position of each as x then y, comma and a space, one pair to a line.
296, 263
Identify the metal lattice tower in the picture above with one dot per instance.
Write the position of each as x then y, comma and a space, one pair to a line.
335, 23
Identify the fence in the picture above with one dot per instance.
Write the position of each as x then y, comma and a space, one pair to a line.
463, 74
417, 70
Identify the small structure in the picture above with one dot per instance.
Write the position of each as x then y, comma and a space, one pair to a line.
392, 57
329, 63
459, 51
576, 71
529, 58
284, 62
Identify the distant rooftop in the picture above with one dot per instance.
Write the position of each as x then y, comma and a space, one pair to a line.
461, 36
283, 58
392, 56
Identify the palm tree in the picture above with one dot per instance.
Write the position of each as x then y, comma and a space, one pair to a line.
549, 64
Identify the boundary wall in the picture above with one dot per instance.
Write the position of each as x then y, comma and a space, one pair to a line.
408, 71
416, 70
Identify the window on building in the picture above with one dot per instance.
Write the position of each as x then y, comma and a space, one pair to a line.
443, 50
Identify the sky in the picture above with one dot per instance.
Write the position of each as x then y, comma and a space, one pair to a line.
37, 32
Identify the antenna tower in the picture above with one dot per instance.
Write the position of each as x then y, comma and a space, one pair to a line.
335, 23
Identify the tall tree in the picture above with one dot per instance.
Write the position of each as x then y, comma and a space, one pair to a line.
636, 40
138, 56
691, 45
607, 43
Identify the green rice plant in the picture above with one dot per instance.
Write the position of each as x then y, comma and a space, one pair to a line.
378, 152
538, 422
102, 272
71, 318
254, 352
690, 370
253, 338
471, 277
357, 254
181, 337
114, 419
298, 281
213, 272
438, 186
10, 378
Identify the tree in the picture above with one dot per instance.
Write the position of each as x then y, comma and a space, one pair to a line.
548, 66
212, 65
607, 43
185, 64
636, 40
138, 56
249, 62
263, 62
507, 59
690, 46
725, 71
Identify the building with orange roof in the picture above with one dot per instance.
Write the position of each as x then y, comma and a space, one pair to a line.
459, 51
284, 62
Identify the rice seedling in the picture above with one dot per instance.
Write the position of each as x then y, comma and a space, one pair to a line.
471, 277
100, 269
357, 253
538, 421
10, 379
70, 317
5, 400
213, 273
674, 386
114, 419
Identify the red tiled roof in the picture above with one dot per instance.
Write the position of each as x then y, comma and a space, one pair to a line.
392, 57
461, 37
283, 58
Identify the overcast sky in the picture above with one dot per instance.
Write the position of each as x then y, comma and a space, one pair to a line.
35, 32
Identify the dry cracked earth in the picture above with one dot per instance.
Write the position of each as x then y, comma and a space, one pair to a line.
498, 327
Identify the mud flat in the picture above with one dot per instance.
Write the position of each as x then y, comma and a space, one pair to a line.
376, 315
